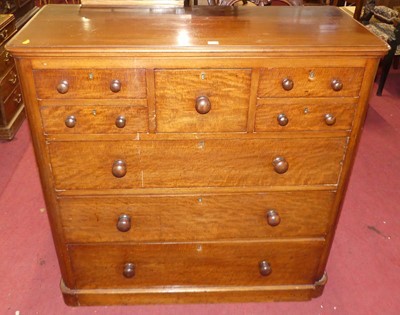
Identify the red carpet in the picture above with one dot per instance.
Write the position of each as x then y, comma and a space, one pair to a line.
363, 268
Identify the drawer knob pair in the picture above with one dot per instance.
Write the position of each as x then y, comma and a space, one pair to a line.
129, 270
119, 168
280, 165
203, 105
265, 268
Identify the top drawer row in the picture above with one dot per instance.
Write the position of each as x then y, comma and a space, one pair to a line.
131, 83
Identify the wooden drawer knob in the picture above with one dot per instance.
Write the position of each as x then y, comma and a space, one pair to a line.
282, 120
70, 121
287, 84
120, 122
273, 218
62, 87
119, 168
129, 270
115, 86
336, 85
280, 165
330, 119
203, 105
124, 223
265, 268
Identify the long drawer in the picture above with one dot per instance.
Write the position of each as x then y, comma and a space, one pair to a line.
196, 217
222, 263
192, 163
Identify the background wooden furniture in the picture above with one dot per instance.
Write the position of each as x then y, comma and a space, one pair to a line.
12, 112
11, 105
205, 161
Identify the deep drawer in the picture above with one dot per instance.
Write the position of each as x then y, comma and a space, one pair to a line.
324, 114
316, 82
190, 163
182, 96
13, 103
102, 266
195, 217
94, 119
86, 84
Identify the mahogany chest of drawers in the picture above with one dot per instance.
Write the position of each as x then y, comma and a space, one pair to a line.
194, 154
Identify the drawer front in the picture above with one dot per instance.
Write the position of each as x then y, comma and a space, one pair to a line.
298, 82
8, 84
214, 100
7, 32
95, 119
212, 163
86, 84
6, 61
195, 217
12, 104
102, 266
305, 114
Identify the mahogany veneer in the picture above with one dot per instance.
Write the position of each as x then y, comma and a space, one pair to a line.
194, 154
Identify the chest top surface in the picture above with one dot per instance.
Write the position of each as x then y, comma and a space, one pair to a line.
200, 29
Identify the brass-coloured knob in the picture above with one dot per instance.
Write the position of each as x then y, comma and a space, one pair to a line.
280, 165
13, 79
273, 218
124, 223
120, 122
70, 121
7, 57
203, 105
330, 119
4, 33
282, 119
265, 268
115, 86
129, 270
18, 98
119, 168
336, 85
287, 84
63, 87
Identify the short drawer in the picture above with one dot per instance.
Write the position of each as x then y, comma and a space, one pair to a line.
130, 266
6, 61
12, 104
94, 119
316, 82
191, 163
8, 84
210, 100
87, 84
8, 31
195, 217
325, 114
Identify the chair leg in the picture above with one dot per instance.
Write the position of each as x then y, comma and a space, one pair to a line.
386, 64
